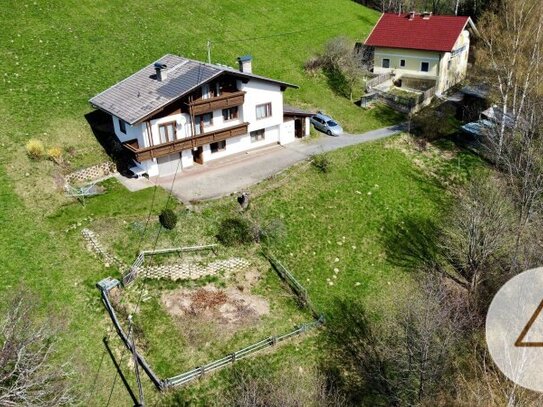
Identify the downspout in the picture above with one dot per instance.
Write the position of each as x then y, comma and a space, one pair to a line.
438, 92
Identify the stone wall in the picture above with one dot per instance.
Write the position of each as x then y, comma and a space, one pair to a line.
92, 173
191, 271
94, 245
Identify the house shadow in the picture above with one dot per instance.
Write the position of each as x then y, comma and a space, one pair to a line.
101, 125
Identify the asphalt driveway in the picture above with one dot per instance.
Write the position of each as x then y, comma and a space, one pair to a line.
236, 173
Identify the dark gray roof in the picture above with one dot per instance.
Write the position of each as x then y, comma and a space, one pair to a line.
140, 95
294, 111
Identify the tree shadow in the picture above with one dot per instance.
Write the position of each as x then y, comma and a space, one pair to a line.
101, 125
411, 242
355, 348
337, 81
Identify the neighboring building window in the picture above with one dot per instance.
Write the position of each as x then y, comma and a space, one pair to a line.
202, 121
386, 63
425, 66
122, 126
402, 63
263, 111
449, 63
230, 113
218, 146
167, 132
258, 135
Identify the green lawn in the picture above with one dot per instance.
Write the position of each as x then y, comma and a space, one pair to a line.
57, 54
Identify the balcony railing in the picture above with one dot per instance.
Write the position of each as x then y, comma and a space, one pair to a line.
226, 100
161, 150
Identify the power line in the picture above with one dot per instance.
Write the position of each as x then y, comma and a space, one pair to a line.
140, 243
130, 335
284, 33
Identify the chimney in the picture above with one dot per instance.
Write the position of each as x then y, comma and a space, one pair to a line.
245, 64
161, 73
411, 15
426, 15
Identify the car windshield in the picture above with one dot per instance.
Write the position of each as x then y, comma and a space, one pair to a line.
332, 123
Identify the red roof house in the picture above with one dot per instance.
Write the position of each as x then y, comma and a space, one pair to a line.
420, 51
417, 31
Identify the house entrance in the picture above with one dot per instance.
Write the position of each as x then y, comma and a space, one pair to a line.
299, 128
198, 155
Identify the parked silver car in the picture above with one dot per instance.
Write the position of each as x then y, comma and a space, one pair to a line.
326, 124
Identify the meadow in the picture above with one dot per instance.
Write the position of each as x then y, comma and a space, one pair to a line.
57, 54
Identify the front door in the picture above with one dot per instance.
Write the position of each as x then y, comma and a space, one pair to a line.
198, 155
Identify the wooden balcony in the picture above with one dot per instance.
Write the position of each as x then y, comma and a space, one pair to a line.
160, 150
226, 100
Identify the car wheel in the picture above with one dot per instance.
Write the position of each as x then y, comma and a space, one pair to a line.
329, 132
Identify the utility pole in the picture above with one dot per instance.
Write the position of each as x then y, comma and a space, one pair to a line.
136, 364
208, 51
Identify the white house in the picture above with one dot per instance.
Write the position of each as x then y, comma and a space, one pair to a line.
178, 112
420, 49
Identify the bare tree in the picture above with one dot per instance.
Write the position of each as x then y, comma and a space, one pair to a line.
290, 387
402, 359
27, 375
513, 52
476, 235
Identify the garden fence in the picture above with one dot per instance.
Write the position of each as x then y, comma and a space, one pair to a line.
109, 283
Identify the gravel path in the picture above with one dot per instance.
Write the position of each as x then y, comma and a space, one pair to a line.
236, 173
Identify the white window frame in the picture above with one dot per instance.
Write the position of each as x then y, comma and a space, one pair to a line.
402, 63
383, 63
168, 137
229, 110
267, 111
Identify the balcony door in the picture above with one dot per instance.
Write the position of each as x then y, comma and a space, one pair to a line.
167, 132
201, 122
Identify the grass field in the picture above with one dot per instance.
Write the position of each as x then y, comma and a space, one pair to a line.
57, 54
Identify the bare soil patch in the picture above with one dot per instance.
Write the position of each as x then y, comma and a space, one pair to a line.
203, 312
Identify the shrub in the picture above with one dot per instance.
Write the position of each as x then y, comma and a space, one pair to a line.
236, 231
272, 232
321, 162
35, 149
55, 154
313, 64
168, 218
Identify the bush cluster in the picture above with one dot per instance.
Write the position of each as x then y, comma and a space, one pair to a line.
236, 231
35, 149
321, 162
168, 218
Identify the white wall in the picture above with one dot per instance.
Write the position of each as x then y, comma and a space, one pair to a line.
455, 72
243, 143
257, 93
132, 132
